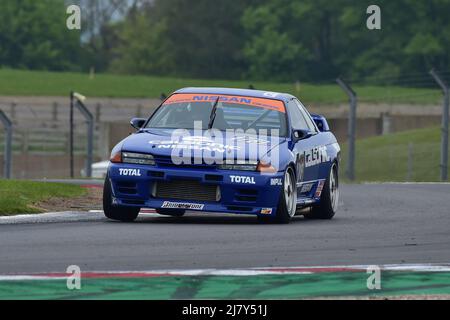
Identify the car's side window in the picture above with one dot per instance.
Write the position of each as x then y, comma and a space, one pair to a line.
298, 122
307, 117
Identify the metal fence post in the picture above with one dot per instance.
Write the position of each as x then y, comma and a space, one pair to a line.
139, 111
409, 172
90, 131
351, 127
71, 155
444, 129
98, 111
55, 111
8, 145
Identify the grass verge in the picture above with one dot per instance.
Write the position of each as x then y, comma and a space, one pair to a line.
19, 197
385, 158
40, 83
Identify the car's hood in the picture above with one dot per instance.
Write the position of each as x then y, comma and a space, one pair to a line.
163, 142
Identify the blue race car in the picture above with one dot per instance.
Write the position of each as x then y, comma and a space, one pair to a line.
226, 150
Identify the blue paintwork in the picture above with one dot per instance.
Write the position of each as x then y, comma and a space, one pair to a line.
321, 122
268, 195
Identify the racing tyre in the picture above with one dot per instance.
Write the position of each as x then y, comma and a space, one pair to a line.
288, 200
329, 198
171, 212
120, 213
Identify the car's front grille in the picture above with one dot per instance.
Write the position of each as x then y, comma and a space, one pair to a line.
186, 190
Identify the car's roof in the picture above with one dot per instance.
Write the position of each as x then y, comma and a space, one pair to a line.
238, 92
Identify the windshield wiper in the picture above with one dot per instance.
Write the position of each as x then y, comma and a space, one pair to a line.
262, 116
212, 116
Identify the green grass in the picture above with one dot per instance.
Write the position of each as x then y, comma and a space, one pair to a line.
385, 158
39, 83
18, 197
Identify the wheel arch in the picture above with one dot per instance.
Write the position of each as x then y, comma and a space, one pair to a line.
293, 166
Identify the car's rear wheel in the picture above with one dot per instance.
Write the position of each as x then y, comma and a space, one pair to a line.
114, 212
287, 204
329, 199
171, 212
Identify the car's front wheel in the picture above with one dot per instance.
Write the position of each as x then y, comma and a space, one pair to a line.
114, 212
329, 199
287, 204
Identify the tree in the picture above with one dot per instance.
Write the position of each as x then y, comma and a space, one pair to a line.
33, 35
281, 40
189, 38
143, 47
298, 37
101, 20
319, 39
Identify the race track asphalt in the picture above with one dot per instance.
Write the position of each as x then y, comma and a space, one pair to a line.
376, 224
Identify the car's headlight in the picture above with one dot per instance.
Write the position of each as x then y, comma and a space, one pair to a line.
131, 157
137, 158
239, 165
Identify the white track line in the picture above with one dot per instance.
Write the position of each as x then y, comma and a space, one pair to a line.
236, 272
66, 216
405, 183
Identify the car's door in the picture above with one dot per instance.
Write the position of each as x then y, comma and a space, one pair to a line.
321, 148
305, 149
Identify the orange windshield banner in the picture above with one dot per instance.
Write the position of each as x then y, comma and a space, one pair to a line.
270, 104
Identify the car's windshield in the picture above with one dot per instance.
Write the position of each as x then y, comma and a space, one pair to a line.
232, 112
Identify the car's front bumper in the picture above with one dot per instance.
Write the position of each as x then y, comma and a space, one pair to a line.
134, 187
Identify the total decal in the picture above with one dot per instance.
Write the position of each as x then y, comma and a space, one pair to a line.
130, 172
242, 179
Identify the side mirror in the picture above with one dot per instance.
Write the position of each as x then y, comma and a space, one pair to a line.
137, 123
301, 134
321, 122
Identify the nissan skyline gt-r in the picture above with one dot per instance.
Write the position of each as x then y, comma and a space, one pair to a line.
226, 151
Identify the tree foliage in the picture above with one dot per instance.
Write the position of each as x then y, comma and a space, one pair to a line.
200, 38
33, 35
282, 40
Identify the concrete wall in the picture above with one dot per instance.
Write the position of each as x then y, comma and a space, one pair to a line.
368, 127
43, 166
